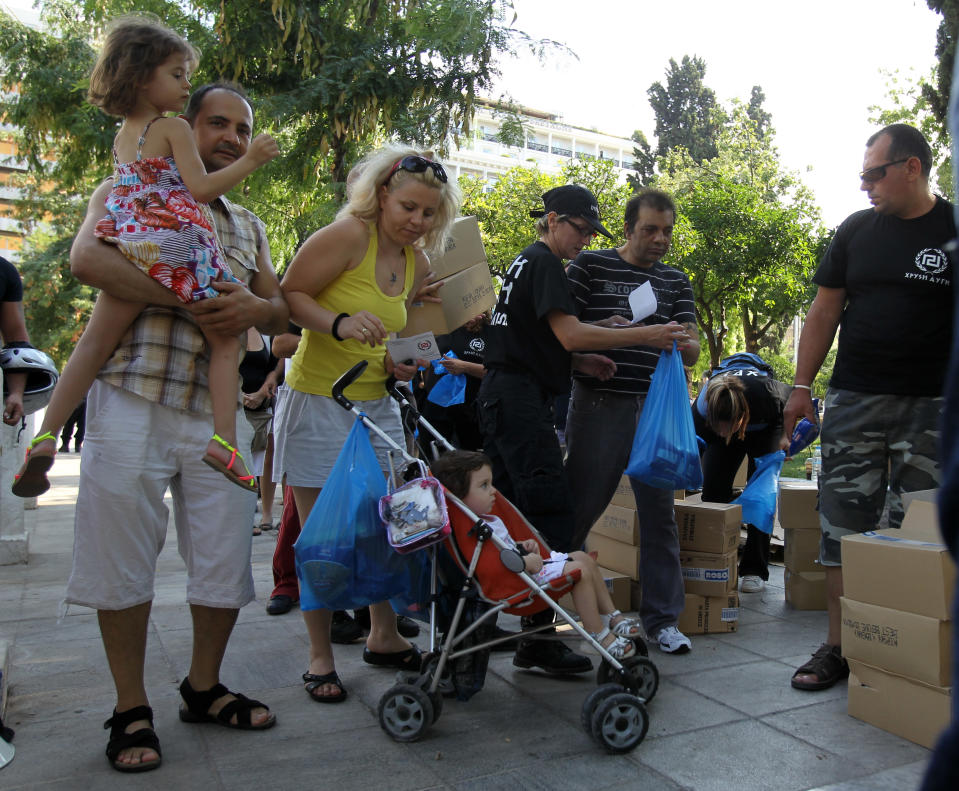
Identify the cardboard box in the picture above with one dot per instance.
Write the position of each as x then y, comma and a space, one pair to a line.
465, 295
709, 614
801, 549
708, 574
742, 475
618, 586
906, 569
464, 248
798, 505
623, 496
708, 527
619, 523
904, 643
912, 710
615, 555
806, 590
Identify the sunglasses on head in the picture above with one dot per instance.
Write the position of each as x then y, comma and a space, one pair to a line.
417, 164
878, 173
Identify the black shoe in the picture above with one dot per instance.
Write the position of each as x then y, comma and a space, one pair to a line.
551, 656
344, 630
64, 448
280, 605
362, 618
507, 645
76, 447
407, 627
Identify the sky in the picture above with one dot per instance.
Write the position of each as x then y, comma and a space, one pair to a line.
819, 62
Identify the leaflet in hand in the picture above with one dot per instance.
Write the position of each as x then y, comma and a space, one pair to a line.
415, 347
642, 301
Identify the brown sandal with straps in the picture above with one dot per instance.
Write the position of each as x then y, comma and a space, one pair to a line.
827, 664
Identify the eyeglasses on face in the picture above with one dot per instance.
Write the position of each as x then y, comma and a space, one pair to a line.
586, 232
878, 173
417, 164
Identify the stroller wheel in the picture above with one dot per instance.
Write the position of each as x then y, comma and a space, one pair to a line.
430, 661
641, 678
620, 722
405, 712
592, 701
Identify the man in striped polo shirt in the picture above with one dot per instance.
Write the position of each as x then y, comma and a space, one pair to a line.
603, 414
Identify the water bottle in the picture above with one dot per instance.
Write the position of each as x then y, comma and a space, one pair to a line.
816, 463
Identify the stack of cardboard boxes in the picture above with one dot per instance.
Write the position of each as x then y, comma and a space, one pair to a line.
805, 578
708, 539
615, 540
708, 542
467, 288
896, 628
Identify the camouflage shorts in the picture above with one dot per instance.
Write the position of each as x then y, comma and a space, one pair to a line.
871, 443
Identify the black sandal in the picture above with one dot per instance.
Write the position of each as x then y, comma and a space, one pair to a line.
827, 664
313, 682
120, 741
198, 708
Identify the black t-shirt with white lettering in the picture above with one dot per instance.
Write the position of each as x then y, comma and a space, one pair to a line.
601, 282
519, 337
896, 328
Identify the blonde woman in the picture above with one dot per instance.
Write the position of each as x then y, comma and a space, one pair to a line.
348, 287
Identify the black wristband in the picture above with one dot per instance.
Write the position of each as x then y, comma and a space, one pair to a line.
336, 323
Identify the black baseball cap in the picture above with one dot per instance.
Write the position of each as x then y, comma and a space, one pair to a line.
574, 201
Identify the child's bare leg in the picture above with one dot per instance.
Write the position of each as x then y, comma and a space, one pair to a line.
604, 601
108, 323
584, 596
110, 319
224, 381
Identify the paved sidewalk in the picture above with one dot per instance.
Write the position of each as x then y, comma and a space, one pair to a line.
725, 716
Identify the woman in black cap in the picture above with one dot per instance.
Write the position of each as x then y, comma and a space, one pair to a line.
531, 341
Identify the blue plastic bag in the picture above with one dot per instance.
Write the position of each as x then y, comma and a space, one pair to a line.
343, 558
450, 389
758, 499
665, 453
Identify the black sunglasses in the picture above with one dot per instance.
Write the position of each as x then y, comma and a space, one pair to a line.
878, 173
417, 164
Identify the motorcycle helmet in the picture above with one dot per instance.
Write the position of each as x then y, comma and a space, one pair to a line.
41, 374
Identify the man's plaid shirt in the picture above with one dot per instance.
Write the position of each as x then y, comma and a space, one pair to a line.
163, 357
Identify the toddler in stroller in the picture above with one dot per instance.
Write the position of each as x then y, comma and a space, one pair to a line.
468, 475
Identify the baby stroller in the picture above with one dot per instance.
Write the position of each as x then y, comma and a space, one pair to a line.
613, 714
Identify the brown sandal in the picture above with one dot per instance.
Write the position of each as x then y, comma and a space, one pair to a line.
827, 664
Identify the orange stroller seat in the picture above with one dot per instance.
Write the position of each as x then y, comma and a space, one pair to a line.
495, 583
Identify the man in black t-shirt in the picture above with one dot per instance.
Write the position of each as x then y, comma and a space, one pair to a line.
886, 284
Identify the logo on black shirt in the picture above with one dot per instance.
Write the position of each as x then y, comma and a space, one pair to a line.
477, 345
932, 261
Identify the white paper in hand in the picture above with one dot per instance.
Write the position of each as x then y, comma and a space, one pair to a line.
642, 301
415, 347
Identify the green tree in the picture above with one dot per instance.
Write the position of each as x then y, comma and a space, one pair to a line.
644, 162
686, 110
748, 236
937, 92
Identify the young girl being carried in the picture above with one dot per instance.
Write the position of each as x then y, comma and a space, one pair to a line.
469, 476
158, 218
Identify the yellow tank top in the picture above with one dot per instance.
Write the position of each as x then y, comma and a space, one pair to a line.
320, 359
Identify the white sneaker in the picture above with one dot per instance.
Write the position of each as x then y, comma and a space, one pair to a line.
673, 641
752, 584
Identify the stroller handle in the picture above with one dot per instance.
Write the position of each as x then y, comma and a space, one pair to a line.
345, 381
